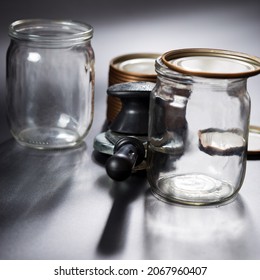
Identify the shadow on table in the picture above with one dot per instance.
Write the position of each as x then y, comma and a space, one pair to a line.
33, 182
112, 240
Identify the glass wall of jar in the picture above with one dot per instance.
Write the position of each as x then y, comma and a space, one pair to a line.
50, 82
198, 126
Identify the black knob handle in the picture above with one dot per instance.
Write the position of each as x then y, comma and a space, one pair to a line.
128, 152
134, 97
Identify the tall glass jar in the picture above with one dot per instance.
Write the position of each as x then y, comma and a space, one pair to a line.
198, 126
50, 82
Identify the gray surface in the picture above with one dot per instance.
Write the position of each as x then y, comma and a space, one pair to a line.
62, 205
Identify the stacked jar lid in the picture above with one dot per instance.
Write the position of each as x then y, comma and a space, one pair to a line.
129, 68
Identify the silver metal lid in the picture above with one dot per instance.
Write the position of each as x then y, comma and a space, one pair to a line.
138, 65
254, 140
134, 65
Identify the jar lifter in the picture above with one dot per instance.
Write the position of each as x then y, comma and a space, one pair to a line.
126, 139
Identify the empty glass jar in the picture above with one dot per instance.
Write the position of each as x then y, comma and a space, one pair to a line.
198, 127
50, 82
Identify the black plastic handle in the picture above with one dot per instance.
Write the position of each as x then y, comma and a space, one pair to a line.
128, 152
134, 114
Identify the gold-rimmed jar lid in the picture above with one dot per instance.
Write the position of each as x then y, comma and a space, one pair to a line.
135, 65
212, 63
254, 141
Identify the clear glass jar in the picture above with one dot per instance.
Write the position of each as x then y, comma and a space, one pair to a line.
198, 126
50, 82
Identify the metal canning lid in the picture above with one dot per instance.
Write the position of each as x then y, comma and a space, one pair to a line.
212, 63
254, 140
136, 65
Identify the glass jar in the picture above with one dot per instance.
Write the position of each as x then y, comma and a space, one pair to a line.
50, 82
198, 126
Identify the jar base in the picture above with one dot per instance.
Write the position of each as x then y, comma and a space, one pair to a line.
193, 189
48, 138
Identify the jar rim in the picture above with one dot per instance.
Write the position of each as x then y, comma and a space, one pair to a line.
50, 31
189, 61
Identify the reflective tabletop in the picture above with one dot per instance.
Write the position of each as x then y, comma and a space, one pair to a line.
62, 205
